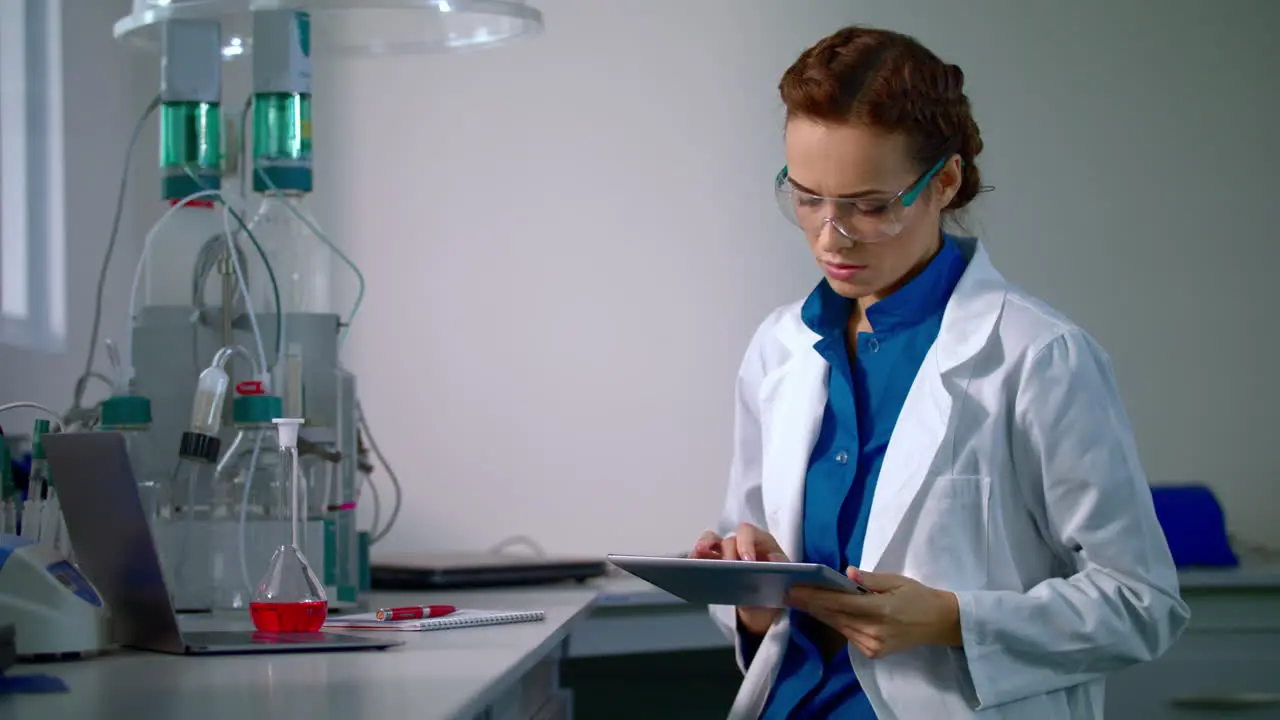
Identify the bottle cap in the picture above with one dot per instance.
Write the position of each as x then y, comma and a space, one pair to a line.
255, 409
288, 430
199, 447
126, 411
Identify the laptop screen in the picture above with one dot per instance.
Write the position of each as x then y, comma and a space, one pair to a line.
110, 535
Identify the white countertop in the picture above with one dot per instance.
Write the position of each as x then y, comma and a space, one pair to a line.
438, 674
441, 674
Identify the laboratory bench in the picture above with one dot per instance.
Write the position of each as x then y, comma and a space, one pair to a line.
499, 672
603, 649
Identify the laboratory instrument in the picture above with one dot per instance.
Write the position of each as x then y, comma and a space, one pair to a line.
273, 298
56, 611
216, 275
733, 582
105, 519
290, 597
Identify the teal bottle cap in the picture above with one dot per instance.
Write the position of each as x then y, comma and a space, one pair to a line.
179, 185
282, 178
126, 411
37, 443
256, 409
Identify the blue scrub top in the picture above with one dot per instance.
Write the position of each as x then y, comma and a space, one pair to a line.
864, 398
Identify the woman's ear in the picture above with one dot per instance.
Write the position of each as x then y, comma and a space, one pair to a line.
948, 181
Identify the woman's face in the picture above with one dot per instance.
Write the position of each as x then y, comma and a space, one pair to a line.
857, 162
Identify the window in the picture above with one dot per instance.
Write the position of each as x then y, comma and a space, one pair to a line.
33, 292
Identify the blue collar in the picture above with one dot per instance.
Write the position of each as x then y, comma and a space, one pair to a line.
827, 313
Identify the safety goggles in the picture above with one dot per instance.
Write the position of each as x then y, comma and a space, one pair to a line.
861, 219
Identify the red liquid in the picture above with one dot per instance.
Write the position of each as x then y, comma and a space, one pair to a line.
288, 617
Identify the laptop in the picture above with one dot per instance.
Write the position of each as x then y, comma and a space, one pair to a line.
115, 551
437, 571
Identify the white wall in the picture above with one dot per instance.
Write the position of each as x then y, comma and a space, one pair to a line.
569, 241
105, 89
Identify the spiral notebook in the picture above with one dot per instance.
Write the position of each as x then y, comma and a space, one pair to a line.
456, 619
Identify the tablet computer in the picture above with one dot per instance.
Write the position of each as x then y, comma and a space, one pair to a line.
732, 582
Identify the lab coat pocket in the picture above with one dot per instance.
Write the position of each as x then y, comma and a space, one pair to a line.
949, 548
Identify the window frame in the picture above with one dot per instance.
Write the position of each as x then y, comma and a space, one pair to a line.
33, 285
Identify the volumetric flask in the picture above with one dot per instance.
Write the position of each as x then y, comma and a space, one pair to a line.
290, 598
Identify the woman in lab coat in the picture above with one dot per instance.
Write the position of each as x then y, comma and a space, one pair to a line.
948, 440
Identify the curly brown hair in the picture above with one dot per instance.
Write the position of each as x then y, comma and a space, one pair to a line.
889, 81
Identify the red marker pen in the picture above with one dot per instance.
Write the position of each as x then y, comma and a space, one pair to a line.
414, 612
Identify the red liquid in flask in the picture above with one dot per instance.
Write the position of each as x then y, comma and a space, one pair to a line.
288, 616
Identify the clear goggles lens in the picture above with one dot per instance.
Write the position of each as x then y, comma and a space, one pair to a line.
857, 219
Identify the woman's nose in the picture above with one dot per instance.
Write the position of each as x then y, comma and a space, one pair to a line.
830, 239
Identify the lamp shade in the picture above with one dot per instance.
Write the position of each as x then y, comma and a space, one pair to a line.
346, 27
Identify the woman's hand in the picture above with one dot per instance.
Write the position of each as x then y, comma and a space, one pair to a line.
900, 615
748, 542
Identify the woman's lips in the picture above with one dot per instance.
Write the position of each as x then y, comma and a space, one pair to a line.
841, 271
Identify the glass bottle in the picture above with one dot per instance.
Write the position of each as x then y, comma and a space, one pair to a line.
244, 487
130, 415
300, 261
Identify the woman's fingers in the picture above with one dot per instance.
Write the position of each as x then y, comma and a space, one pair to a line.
757, 544
866, 643
747, 543
709, 546
868, 636
746, 535
729, 549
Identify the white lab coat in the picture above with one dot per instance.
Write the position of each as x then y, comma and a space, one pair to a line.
1012, 479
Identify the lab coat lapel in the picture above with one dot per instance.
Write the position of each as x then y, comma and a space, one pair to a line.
919, 432
793, 399
925, 420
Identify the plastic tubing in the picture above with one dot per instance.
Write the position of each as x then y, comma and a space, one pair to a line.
223, 355
53, 416
244, 513
244, 286
284, 318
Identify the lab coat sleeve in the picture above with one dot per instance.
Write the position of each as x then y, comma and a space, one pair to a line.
1077, 465
743, 500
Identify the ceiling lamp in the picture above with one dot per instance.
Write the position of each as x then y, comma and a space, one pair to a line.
362, 27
